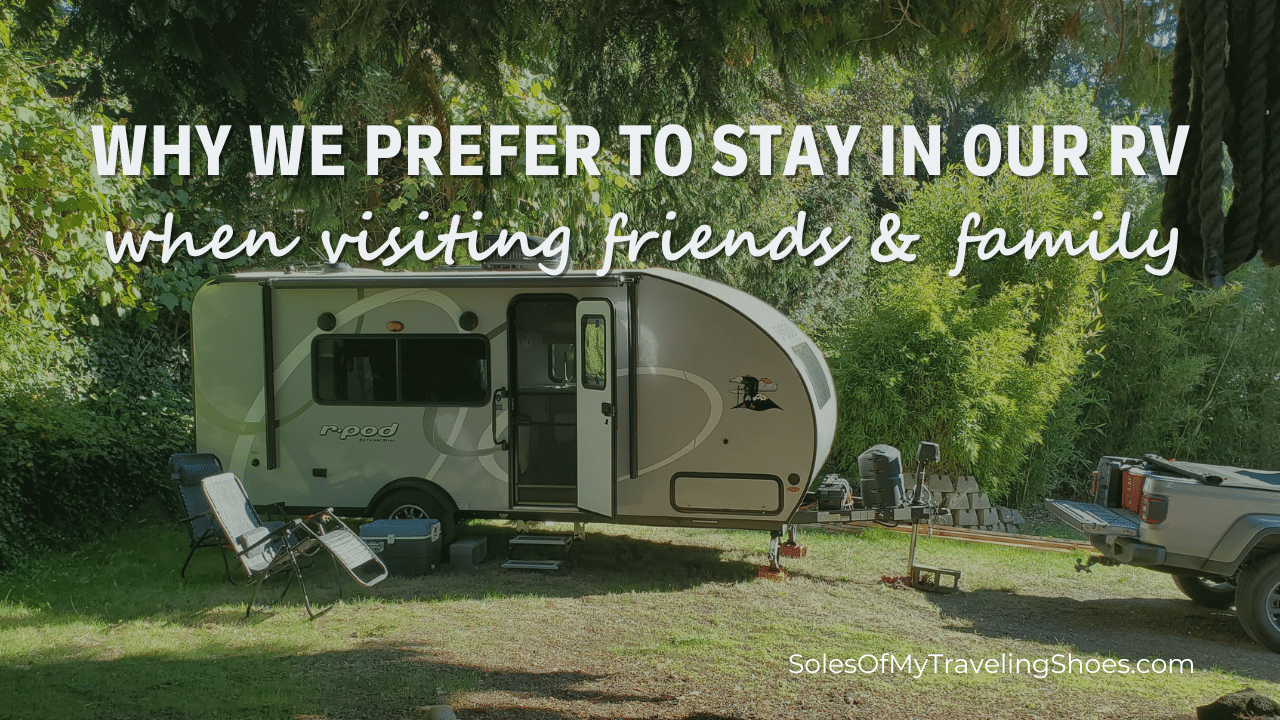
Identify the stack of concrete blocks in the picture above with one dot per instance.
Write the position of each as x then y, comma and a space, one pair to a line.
971, 508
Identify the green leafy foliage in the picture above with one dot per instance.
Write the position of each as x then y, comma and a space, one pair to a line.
1175, 370
53, 206
979, 362
228, 60
86, 426
94, 389
927, 361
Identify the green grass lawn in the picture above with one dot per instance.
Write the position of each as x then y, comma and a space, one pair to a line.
645, 623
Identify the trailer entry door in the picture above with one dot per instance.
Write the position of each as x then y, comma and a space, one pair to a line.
597, 409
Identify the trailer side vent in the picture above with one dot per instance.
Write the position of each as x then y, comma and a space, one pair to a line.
814, 368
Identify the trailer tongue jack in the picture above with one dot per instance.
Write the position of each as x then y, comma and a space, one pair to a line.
925, 577
882, 499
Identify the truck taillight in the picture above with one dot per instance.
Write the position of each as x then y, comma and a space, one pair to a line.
1094, 492
1155, 508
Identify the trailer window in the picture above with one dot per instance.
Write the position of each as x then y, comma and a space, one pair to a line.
445, 370
593, 350
413, 370
355, 370
560, 365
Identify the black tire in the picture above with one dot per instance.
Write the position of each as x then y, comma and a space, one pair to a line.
1246, 620
1258, 604
1211, 594
411, 504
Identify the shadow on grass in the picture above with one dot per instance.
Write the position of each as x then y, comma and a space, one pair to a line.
1132, 628
377, 682
516, 712
135, 574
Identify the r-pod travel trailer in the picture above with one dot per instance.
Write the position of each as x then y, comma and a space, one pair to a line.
643, 397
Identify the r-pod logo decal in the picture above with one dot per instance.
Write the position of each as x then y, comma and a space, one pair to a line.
751, 393
368, 432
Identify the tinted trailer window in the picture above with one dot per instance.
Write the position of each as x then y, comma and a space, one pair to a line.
413, 370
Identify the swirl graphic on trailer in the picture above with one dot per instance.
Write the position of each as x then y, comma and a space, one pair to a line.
751, 393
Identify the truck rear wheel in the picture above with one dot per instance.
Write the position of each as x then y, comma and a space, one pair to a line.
1258, 604
411, 504
1206, 592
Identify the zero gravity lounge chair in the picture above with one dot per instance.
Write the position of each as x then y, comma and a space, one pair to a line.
187, 470
264, 552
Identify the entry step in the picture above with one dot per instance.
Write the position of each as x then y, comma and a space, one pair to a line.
538, 551
551, 540
533, 564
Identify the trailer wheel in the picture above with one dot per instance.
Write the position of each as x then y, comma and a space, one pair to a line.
1258, 604
410, 504
1206, 592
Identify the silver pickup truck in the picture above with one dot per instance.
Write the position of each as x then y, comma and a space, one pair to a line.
1215, 529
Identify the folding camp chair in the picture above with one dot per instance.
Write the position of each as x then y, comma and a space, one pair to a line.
187, 470
264, 552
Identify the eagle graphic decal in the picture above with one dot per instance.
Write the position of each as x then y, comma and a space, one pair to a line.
751, 393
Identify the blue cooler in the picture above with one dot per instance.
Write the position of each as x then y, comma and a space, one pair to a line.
406, 547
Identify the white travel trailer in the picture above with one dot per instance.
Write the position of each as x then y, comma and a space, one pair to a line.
643, 397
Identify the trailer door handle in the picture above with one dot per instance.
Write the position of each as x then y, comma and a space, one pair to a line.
498, 395
608, 410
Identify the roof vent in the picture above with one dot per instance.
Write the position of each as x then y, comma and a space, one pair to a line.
321, 268
514, 258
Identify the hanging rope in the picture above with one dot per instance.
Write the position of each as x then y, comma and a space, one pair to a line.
1222, 65
1177, 188
1216, 98
1269, 241
1251, 36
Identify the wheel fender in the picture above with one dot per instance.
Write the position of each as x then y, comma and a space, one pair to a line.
1245, 534
430, 488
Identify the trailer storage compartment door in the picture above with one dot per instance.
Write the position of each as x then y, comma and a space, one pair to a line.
597, 409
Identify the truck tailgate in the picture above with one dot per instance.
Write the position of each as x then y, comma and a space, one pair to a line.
1092, 519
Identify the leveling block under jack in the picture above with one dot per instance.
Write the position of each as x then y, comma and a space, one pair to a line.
791, 548
778, 549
